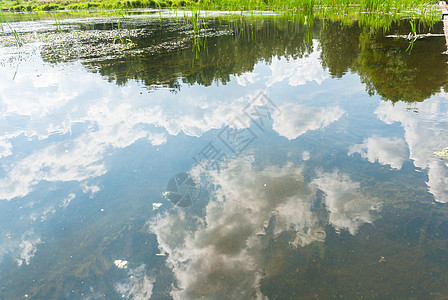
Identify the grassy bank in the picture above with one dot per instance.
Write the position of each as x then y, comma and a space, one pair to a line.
45, 5
264, 5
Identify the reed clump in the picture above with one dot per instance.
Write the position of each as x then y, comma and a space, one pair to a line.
341, 6
388, 6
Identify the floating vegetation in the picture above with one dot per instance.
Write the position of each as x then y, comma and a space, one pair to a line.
156, 206
161, 41
121, 264
442, 153
414, 36
86, 45
65, 46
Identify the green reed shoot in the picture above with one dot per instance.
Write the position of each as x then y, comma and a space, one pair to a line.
412, 36
118, 36
14, 32
17, 38
57, 23
123, 40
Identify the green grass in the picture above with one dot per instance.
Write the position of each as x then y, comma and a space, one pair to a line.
422, 7
40, 5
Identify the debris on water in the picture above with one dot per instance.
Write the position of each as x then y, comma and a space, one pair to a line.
156, 206
66, 46
442, 153
121, 264
415, 36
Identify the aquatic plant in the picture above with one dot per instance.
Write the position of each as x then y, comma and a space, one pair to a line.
308, 5
17, 38
57, 23
442, 153
124, 40
13, 31
412, 37
420, 7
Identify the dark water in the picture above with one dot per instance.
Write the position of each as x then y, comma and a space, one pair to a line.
302, 157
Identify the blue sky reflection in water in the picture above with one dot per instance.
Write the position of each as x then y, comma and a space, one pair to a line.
338, 195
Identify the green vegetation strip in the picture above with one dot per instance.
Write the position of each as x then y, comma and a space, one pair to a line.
43, 5
394, 6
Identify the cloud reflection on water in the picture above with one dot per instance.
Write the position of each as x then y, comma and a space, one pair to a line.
425, 132
92, 116
299, 71
222, 253
385, 150
295, 120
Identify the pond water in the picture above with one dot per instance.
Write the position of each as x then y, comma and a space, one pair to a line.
147, 157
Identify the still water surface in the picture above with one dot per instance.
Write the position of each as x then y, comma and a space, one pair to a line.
301, 158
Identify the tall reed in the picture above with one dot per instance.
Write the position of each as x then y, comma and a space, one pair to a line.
57, 22
13, 31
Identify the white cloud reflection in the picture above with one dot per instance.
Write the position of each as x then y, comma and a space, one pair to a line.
220, 255
425, 132
348, 207
7, 244
246, 78
5, 147
298, 71
42, 216
138, 285
22, 247
295, 120
52, 163
92, 116
27, 249
385, 150
66, 201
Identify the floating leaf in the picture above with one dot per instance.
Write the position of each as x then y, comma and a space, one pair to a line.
156, 206
121, 264
442, 153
